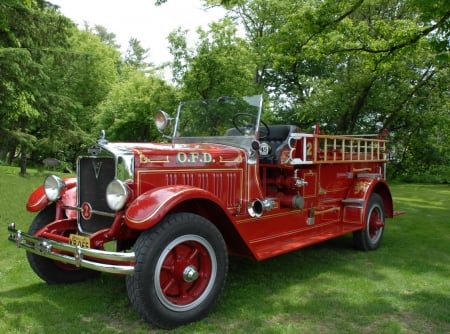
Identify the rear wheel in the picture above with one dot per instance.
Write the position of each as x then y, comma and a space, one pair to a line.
54, 272
369, 238
181, 268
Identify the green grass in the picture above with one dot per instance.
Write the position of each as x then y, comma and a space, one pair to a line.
403, 287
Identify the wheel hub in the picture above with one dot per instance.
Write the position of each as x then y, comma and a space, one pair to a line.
190, 274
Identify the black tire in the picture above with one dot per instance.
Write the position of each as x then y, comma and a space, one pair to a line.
180, 272
54, 272
369, 238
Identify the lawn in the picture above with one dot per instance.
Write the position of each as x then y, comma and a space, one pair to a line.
403, 287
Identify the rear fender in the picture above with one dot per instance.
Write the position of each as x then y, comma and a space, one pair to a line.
37, 200
149, 208
359, 194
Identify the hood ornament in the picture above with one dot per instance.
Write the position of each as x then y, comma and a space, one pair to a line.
101, 140
96, 148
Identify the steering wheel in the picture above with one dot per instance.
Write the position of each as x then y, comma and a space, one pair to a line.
244, 123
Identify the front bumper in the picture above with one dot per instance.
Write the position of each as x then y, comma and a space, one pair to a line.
94, 259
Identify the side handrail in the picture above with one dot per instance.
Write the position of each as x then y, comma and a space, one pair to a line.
316, 148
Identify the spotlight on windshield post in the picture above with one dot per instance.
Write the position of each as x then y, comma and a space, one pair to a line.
162, 120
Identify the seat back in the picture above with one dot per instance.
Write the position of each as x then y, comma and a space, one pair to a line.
278, 140
233, 132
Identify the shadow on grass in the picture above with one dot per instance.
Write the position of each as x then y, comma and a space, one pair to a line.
332, 288
329, 288
96, 306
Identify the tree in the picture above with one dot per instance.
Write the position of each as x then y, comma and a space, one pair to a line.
127, 113
30, 31
108, 38
348, 64
220, 64
53, 78
136, 55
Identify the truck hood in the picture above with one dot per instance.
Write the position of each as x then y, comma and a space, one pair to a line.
190, 155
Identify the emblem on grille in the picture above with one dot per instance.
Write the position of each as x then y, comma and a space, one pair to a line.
86, 211
94, 150
96, 165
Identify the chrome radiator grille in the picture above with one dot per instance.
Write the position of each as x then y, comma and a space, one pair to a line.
94, 175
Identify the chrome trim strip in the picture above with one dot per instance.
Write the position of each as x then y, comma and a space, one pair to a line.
76, 255
355, 202
96, 212
369, 175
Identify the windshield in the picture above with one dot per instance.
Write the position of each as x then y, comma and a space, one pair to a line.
224, 116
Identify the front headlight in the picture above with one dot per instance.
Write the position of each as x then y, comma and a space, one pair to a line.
53, 187
116, 195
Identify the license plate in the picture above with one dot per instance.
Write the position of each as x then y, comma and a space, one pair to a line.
79, 240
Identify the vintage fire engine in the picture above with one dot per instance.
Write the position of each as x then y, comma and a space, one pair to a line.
167, 215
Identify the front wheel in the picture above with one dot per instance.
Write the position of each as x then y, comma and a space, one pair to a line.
369, 238
181, 268
54, 272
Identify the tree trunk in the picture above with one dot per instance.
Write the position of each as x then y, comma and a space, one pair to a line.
23, 160
11, 153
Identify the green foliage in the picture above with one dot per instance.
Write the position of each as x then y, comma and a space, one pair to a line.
79, 79
221, 63
54, 78
93, 70
343, 64
350, 64
107, 37
434, 174
127, 113
136, 55
30, 32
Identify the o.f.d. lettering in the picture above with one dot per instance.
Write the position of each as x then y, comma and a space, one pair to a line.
194, 157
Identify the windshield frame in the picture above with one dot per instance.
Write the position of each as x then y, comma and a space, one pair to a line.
235, 139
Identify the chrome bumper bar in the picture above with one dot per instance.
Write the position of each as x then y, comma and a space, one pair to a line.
74, 255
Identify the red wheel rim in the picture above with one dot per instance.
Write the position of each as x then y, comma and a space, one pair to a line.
375, 223
185, 272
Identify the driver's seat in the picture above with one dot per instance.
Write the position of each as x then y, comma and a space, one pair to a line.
278, 140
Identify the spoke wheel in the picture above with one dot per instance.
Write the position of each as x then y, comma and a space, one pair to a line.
369, 238
185, 273
54, 272
375, 224
180, 271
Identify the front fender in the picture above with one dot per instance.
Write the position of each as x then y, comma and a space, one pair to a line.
149, 208
37, 200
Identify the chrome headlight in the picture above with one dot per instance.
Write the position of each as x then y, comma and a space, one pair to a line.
116, 195
53, 187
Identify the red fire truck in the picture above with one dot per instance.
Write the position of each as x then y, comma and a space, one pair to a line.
222, 181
